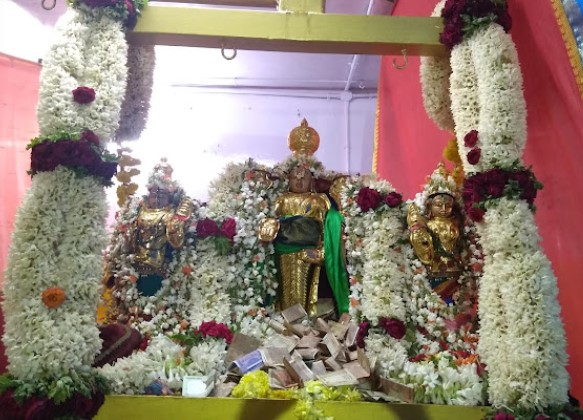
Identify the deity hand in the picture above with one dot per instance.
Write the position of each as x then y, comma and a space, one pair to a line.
312, 256
268, 230
422, 244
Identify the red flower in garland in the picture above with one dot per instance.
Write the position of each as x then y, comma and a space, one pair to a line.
471, 138
83, 95
474, 155
503, 416
215, 329
229, 228
393, 199
90, 137
476, 214
368, 199
207, 227
394, 327
362, 334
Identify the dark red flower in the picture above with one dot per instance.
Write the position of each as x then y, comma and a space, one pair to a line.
36, 408
452, 35
10, 408
207, 227
368, 199
132, 18
481, 8
453, 8
505, 20
394, 327
574, 414
474, 155
362, 334
471, 138
229, 228
417, 358
100, 3
216, 330
503, 416
481, 369
541, 417
393, 199
42, 158
476, 214
83, 95
496, 180
90, 137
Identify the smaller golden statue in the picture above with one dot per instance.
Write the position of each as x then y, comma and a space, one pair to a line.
435, 234
160, 226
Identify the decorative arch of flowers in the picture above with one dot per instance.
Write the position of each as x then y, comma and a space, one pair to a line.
522, 339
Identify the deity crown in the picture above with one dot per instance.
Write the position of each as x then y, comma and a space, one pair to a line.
303, 140
441, 181
161, 177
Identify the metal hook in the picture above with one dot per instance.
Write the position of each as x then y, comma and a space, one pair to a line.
225, 56
405, 61
44, 4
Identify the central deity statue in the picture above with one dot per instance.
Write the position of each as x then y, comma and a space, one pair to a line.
435, 234
306, 234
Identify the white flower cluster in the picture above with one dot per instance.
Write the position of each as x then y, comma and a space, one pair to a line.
57, 242
164, 361
87, 51
521, 336
434, 75
136, 104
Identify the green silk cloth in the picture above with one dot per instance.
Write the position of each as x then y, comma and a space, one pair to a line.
333, 258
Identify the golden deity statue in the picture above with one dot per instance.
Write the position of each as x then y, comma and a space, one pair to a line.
160, 226
304, 220
435, 234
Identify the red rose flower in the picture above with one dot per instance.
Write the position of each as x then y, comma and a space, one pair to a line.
453, 8
481, 8
505, 20
495, 180
10, 408
362, 334
393, 199
42, 157
207, 227
476, 214
471, 138
215, 330
503, 416
90, 137
452, 35
83, 95
474, 155
417, 358
98, 399
36, 408
229, 228
394, 327
368, 199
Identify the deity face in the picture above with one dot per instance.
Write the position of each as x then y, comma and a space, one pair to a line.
300, 180
158, 198
442, 205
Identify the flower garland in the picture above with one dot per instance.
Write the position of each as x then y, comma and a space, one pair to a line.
525, 358
136, 104
88, 52
80, 152
434, 74
51, 285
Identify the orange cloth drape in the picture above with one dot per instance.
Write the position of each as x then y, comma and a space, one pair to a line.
410, 145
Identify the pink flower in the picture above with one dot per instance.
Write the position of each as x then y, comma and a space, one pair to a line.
471, 138
368, 199
83, 95
393, 199
215, 330
503, 416
474, 155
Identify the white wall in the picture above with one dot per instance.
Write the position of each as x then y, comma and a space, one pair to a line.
201, 131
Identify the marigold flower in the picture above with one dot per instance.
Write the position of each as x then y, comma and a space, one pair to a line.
53, 297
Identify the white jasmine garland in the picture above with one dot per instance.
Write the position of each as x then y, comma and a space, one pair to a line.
87, 51
521, 331
57, 242
136, 103
434, 75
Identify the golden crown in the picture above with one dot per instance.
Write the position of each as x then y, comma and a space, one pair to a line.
303, 140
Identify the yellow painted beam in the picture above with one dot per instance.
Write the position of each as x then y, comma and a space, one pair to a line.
236, 3
285, 31
303, 6
176, 408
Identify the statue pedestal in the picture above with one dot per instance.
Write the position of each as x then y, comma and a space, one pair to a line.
177, 408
